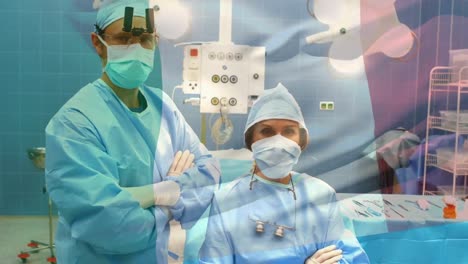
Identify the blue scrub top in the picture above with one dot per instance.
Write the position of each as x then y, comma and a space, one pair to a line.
231, 233
96, 146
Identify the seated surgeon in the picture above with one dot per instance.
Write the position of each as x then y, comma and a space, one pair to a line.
276, 215
110, 149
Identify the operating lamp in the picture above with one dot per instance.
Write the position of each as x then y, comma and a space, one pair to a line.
173, 18
353, 35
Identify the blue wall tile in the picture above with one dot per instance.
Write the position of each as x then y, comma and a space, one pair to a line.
73, 42
10, 123
10, 62
10, 41
51, 21
30, 41
48, 85
43, 5
30, 61
11, 5
30, 21
90, 63
51, 62
9, 20
51, 42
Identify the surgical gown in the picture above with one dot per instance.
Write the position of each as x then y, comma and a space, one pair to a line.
231, 233
96, 146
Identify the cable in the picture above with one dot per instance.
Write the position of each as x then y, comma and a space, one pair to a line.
221, 130
210, 124
292, 189
252, 180
210, 120
173, 91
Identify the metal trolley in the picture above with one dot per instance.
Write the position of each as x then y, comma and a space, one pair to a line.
448, 89
37, 156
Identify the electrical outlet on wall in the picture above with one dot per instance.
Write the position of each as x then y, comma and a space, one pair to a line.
327, 105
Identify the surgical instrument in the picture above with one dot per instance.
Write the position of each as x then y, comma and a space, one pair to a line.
434, 204
368, 209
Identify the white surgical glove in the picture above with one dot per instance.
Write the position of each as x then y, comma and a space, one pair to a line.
165, 193
326, 255
182, 161
143, 194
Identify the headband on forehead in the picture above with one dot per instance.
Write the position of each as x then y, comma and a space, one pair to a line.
113, 10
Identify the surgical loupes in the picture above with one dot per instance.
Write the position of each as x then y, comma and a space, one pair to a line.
128, 22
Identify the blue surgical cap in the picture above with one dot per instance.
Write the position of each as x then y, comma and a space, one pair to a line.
113, 10
276, 103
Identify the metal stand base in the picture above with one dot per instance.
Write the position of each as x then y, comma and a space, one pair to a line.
34, 245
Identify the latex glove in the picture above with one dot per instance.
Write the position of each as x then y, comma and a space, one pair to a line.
143, 194
165, 193
182, 161
326, 255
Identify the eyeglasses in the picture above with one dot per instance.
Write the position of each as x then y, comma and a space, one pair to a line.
147, 40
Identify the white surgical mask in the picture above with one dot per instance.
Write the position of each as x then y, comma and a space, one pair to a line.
128, 66
275, 156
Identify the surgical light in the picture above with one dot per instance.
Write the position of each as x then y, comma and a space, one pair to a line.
349, 67
396, 43
329, 11
353, 36
173, 18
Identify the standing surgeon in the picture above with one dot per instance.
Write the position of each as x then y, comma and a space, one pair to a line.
121, 160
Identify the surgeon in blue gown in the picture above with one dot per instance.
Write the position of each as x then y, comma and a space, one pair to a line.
276, 215
121, 160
